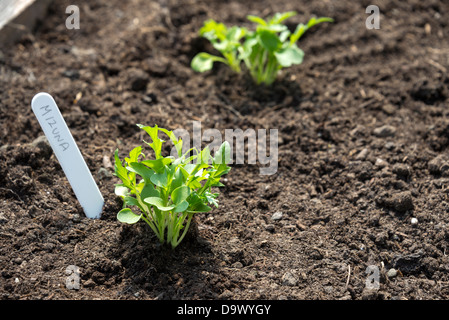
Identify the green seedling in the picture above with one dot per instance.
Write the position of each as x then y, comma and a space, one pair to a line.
166, 192
265, 51
273, 47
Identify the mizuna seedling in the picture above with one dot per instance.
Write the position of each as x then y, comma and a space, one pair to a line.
166, 192
265, 51
68, 154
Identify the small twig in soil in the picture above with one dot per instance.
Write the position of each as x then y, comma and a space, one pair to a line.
437, 65
349, 276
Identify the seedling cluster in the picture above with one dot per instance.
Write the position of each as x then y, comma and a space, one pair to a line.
166, 192
265, 51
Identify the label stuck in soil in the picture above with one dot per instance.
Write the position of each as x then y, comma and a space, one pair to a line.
68, 154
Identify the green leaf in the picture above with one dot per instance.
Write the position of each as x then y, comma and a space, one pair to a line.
143, 171
314, 21
180, 194
177, 143
121, 190
160, 179
301, 28
223, 154
276, 28
289, 56
197, 204
134, 155
257, 19
156, 145
269, 40
199, 207
178, 179
130, 201
279, 17
181, 207
158, 203
299, 31
120, 171
247, 48
149, 191
159, 164
204, 62
127, 216
235, 34
212, 30
284, 35
212, 198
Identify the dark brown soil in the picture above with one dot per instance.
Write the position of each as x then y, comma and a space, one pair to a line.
363, 141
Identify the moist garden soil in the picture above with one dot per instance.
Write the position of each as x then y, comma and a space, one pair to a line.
363, 139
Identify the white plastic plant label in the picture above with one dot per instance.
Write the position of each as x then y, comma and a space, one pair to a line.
68, 154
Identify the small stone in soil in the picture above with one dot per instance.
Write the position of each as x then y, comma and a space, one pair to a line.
392, 273
381, 163
289, 279
384, 131
362, 154
276, 216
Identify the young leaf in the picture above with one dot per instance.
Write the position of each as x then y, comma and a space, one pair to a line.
156, 145
127, 216
204, 62
212, 198
223, 154
212, 30
157, 165
269, 40
301, 28
257, 19
160, 179
130, 201
120, 171
180, 194
199, 207
143, 171
121, 191
279, 17
177, 143
178, 180
299, 31
181, 207
158, 203
289, 56
235, 34
134, 155
313, 21
149, 191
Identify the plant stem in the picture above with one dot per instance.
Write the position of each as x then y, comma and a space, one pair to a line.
175, 243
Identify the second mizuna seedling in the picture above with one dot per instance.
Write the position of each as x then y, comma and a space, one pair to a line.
265, 51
